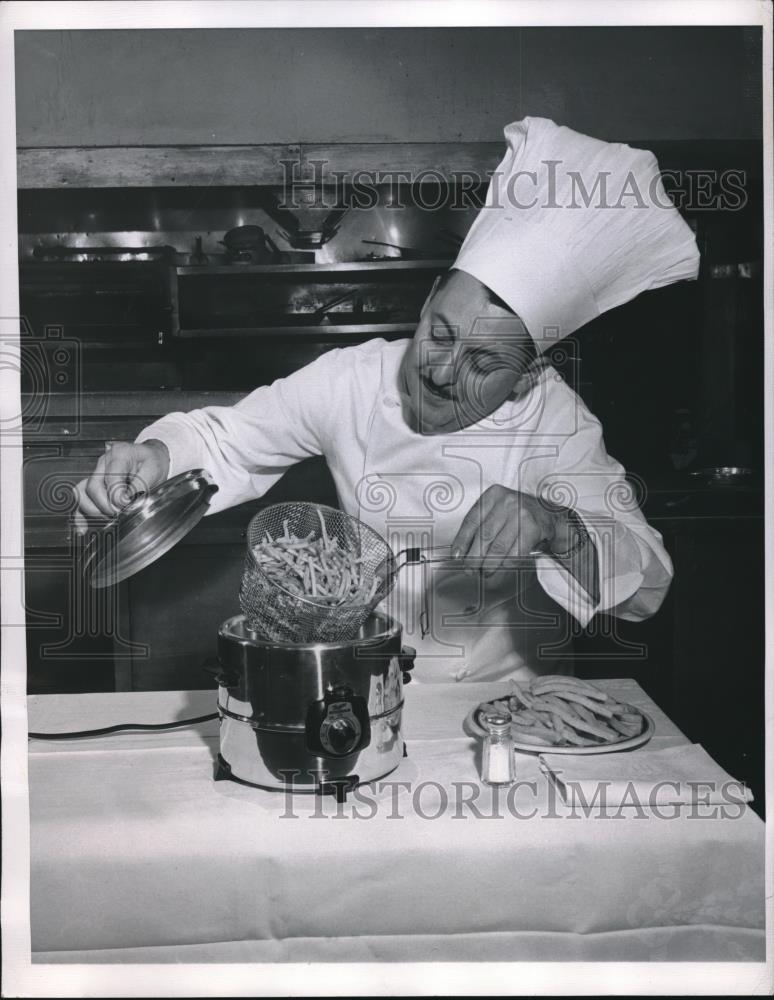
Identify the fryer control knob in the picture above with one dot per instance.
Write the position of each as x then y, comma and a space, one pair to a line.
338, 725
340, 731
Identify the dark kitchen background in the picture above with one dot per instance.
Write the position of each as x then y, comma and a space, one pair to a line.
140, 150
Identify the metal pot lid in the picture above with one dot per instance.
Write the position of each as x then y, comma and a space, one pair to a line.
147, 528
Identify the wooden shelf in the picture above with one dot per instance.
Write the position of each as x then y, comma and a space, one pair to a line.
206, 166
341, 267
129, 402
323, 330
237, 166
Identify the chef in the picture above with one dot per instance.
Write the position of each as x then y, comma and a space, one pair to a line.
464, 440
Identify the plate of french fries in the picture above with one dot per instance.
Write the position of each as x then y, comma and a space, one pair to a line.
560, 714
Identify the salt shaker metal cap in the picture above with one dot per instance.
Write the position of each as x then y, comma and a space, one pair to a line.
497, 723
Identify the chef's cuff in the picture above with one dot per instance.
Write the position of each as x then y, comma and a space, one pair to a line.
619, 571
181, 443
563, 588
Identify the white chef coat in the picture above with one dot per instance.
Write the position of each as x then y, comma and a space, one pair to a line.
415, 489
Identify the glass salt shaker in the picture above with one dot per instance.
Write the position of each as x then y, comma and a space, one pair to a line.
497, 767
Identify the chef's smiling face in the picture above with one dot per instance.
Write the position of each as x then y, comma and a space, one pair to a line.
467, 356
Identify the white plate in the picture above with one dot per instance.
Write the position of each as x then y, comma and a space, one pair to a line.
472, 727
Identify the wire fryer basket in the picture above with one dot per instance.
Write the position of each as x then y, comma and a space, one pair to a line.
282, 607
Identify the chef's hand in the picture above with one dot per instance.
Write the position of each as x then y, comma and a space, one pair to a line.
121, 473
504, 523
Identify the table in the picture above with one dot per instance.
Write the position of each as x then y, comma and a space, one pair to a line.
139, 856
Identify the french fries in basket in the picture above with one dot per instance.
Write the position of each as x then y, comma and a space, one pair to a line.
318, 569
565, 711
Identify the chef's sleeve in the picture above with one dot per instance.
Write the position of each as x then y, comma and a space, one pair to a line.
635, 570
247, 447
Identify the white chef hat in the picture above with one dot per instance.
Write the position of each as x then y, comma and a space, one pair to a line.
573, 226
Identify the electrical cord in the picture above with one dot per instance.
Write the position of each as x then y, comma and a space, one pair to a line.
124, 725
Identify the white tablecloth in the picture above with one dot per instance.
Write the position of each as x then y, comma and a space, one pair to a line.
139, 856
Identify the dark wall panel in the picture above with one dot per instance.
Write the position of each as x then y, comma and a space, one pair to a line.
103, 88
